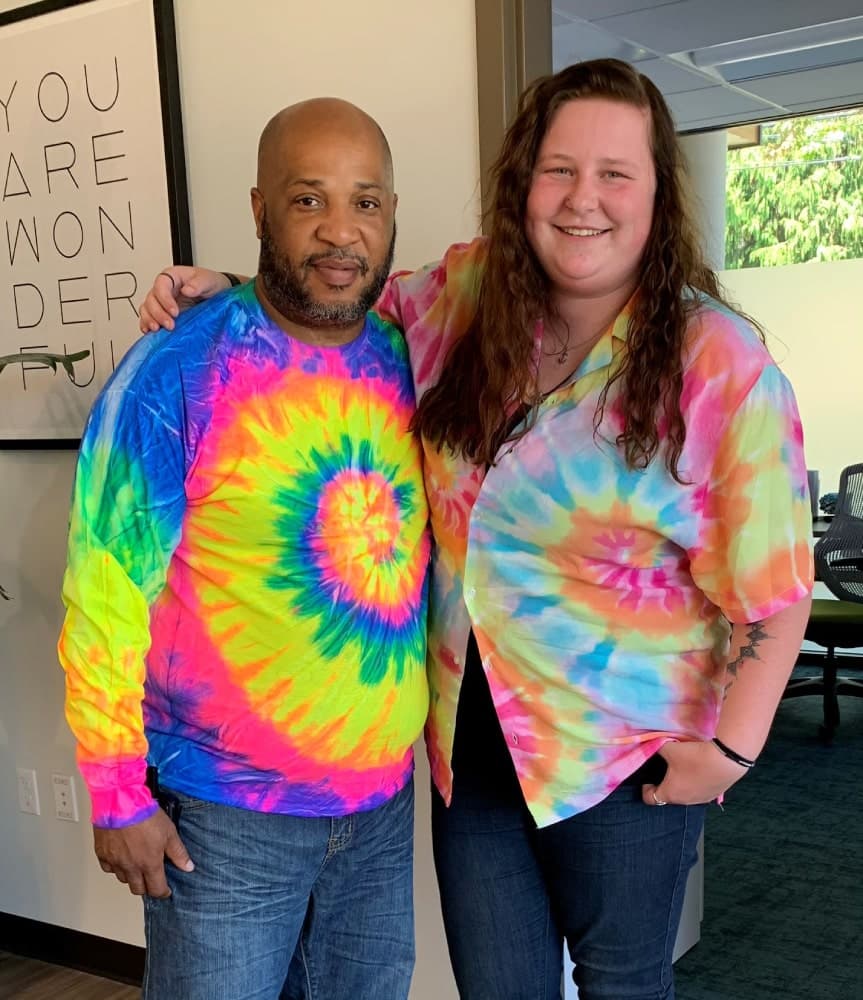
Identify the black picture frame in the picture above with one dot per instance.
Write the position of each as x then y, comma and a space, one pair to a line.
175, 166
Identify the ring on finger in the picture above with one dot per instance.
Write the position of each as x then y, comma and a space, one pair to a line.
657, 800
170, 277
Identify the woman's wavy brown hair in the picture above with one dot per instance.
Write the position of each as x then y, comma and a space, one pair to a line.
493, 366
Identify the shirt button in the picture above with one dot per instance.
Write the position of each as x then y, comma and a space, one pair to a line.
471, 592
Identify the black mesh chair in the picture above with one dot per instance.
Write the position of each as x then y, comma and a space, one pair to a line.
837, 624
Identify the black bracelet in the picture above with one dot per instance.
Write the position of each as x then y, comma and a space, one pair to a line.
234, 280
732, 754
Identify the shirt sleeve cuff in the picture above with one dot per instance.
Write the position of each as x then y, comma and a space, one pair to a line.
119, 795
739, 614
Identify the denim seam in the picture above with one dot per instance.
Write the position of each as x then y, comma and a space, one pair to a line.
148, 951
306, 969
666, 978
540, 986
340, 842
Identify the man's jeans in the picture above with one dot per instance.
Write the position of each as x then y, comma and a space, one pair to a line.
334, 895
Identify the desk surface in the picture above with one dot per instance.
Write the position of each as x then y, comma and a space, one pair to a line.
820, 525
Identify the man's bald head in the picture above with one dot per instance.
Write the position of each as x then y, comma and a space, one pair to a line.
324, 210
317, 118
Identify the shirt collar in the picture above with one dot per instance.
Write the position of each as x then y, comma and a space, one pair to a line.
612, 342
620, 326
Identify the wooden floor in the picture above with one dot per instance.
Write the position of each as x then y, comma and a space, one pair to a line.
25, 979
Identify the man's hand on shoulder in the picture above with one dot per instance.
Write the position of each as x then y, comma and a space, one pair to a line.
175, 289
136, 854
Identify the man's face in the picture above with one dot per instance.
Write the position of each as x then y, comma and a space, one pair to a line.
290, 290
325, 218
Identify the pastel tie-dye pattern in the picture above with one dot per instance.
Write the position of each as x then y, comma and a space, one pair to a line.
601, 596
246, 588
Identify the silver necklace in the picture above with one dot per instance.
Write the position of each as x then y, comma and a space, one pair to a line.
563, 354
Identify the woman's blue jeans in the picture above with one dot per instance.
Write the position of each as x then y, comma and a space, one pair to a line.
609, 882
329, 899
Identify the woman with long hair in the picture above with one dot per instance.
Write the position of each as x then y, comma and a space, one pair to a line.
622, 569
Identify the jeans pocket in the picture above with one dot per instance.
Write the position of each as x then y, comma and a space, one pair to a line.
154, 903
651, 772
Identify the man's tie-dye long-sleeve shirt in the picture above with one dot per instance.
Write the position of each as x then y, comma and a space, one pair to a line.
246, 585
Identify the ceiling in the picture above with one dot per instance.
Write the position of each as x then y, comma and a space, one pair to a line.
722, 62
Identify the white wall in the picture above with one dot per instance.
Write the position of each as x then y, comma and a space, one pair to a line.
815, 331
705, 154
414, 73
417, 75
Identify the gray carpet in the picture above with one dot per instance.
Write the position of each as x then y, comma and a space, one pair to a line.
784, 871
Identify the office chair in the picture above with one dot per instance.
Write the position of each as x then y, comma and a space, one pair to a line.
837, 624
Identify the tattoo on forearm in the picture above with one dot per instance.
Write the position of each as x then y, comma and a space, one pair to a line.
748, 651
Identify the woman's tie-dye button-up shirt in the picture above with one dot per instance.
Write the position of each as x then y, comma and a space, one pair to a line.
601, 596
246, 587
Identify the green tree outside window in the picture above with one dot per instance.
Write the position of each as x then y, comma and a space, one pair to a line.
797, 196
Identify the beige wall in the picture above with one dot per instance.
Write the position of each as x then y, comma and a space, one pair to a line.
417, 75
815, 331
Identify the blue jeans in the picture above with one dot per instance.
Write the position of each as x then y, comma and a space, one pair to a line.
329, 899
609, 881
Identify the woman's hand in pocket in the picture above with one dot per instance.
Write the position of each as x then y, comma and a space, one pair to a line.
697, 772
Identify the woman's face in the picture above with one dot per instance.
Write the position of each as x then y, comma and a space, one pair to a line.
590, 205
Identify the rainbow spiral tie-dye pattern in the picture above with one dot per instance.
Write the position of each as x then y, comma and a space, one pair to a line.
246, 588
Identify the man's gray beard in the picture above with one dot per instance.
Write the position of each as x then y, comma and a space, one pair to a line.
283, 284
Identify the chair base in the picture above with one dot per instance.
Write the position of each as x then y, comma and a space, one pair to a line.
829, 686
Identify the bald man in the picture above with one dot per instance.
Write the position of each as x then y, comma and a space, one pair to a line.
244, 641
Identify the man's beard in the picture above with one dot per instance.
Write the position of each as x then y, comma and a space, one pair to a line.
285, 288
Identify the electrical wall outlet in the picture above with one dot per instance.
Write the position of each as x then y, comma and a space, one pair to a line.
28, 791
65, 802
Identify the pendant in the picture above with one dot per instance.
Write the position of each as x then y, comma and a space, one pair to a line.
564, 354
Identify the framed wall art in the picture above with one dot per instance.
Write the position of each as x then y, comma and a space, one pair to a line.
93, 199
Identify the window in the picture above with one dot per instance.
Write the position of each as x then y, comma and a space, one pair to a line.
798, 194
